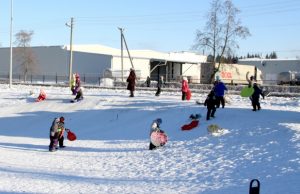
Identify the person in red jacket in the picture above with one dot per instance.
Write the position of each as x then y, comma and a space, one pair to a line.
184, 88
42, 96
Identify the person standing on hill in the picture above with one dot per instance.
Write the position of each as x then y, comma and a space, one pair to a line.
255, 97
56, 134
148, 82
131, 82
210, 103
184, 88
219, 90
250, 80
159, 85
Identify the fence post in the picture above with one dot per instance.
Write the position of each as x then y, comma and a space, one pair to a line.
56, 78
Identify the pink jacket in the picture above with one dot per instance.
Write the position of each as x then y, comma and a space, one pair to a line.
185, 86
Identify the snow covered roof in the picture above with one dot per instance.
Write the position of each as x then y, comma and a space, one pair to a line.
263, 59
184, 57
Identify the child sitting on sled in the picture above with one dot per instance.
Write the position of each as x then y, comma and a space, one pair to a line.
79, 95
158, 137
42, 96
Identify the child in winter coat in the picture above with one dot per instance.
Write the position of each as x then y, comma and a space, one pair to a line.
155, 127
76, 86
79, 95
184, 88
42, 96
210, 103
255, 97
56, 133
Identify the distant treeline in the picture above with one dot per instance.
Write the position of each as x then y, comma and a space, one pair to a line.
235, 59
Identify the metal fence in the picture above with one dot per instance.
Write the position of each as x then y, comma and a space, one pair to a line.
95, 81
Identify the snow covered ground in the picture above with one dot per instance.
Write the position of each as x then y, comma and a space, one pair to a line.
111, 154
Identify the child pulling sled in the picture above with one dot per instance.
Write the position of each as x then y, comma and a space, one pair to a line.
158, 137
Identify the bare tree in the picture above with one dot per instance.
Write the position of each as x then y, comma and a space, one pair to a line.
24, 52
222, 29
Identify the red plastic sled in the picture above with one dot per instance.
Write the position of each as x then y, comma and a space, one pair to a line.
190, 126
71, 136
188, 95
158, 138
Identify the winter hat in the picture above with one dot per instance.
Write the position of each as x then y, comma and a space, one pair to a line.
62, 119
158, 121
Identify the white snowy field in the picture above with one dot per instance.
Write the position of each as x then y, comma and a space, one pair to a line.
111, 153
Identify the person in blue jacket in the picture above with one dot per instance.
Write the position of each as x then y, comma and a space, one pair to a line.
219, 89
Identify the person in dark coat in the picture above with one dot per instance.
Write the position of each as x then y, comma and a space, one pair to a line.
255, 97
159, 85
148, 82
210, 103
131, 82
219, 90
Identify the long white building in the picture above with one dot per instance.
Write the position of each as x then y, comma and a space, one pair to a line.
97, 60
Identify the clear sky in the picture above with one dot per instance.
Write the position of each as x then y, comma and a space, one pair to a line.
162, 25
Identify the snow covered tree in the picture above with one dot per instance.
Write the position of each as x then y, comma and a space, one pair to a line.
222, 29
24, 53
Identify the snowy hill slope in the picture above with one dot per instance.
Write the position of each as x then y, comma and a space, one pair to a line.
111, 154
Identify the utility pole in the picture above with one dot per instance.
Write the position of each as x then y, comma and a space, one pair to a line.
11, 32
123, 39
71, 49
127, 50
122, 67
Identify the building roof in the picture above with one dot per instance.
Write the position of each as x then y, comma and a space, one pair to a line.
259, 59
184, 56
